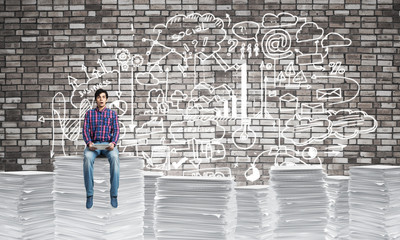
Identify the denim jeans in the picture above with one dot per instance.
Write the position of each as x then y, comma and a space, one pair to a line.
88, 162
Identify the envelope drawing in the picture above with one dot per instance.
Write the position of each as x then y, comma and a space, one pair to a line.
288, 103
329, 93
312, 108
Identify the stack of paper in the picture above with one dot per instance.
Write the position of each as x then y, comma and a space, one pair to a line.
338, 221
374, 202
26, 205
195, 208
150, 180
74, 221
253, 221
298, 202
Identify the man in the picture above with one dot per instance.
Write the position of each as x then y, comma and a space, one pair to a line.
101, 127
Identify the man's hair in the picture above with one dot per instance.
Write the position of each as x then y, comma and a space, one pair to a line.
99, 91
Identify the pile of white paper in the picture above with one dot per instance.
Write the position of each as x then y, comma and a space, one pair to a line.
338, 221
374, 202
202, 208
74, 221
253, 220
150, 180
298, 202
26, 205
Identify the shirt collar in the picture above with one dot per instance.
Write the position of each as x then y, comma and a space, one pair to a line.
97, 109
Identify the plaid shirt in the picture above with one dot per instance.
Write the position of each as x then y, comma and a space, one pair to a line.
100, 126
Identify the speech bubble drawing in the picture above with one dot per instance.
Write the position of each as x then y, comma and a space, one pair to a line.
247, 30
283, 19
303, 131
309, 31
335, 40
347, 123
190, 34
146, 78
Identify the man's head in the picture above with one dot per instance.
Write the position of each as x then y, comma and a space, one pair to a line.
101, 97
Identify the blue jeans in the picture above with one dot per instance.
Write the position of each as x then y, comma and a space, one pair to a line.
88, 162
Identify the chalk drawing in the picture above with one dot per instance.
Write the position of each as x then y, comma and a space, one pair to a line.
336, 150
329, 93
203, 121
244, 137
288, 103
336, 68
280, 20
302, 131
312, 108
348, 94
347, 123
276, 44
332, 40
177, 97
162, 152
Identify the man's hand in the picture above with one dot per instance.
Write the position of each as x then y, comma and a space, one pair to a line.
111, 147
91, 148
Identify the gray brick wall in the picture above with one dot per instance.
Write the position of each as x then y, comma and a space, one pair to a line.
42, 42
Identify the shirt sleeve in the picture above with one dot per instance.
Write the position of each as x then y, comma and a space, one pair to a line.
86, 129
115, 129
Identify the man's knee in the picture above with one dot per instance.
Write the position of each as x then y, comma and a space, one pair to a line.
114, 155
89, 156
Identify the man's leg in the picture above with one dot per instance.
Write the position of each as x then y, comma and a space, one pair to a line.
113, 159
88, 162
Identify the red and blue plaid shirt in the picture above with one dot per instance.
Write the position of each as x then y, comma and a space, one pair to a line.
100, 126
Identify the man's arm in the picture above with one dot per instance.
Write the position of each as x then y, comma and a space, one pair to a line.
115, 129
86, 130
115, 132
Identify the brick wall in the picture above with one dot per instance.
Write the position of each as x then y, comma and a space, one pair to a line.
44, 45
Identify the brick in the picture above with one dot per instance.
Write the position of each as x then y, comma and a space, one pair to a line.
29, 118
13, 100
29, 167
33, 161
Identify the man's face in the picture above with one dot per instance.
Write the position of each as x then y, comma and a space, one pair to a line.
101, 100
